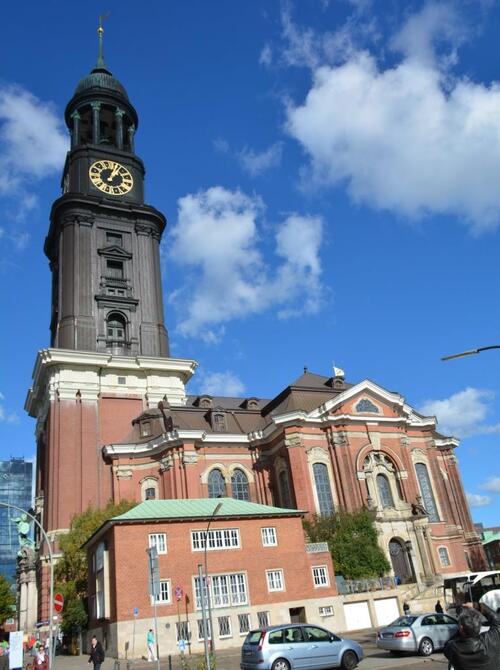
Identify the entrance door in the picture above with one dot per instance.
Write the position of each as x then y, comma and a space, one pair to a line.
399, 561
297, 614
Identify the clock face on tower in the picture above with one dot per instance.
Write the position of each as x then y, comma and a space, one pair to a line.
111, 177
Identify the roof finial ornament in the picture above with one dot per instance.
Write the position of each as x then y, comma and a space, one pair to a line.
100, 32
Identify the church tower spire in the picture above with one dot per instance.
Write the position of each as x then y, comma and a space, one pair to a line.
103, 242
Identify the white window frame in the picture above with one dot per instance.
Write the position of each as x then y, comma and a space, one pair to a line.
228, 620
260, 619
444, 565
275, 580
218, 538
160, 598
248, 620
153, 542
320, 576
269, 536
228, 589
199, 623
326, 610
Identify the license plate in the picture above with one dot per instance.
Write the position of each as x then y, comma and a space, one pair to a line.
248, 653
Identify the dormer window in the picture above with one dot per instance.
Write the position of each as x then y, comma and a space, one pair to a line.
145, 428
218, 422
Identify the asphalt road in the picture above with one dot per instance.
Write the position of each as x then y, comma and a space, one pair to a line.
375, 659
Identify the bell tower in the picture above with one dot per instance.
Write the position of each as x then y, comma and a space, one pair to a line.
103, 242
108, 360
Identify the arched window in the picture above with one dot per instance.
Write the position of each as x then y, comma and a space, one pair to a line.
216, 484
323, 490
115, 328
444, 557
384, 491
150, 493
239, 485
426, 491
149, 488
286, 498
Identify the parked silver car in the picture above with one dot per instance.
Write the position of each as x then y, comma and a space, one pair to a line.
422, 633
298, 647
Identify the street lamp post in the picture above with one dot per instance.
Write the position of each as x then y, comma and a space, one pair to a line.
207, 585
470, 352
51, 564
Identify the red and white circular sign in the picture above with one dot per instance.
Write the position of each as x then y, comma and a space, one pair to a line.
58, 602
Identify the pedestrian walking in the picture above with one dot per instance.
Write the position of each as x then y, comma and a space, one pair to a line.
406, 608
96, 653
439, 607
150, 641
470, 649
41, 660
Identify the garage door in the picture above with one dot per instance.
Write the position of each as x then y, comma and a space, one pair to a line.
386, 610
357, 615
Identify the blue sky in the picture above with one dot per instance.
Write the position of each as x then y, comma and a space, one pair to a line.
330, 171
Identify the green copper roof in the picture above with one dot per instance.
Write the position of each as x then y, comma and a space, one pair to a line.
490, 536
102, 79
202, 508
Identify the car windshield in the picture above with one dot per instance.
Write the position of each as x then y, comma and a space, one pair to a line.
404, 621
253, 637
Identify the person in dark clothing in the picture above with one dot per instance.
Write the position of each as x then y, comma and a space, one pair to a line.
471, 649
439, 608
96, 653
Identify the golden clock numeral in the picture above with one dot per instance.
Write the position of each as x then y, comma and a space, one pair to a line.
99, 184
94, 170
116, 190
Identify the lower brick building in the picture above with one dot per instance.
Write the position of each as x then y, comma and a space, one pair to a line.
261, 571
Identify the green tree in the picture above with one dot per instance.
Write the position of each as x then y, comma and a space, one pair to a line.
7, 600
353, 544
71, 569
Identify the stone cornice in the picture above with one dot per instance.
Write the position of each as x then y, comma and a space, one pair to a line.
66, 374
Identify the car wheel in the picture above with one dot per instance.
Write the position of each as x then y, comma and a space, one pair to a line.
280, 664
349, 660
426, 647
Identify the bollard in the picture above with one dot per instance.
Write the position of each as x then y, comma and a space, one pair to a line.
170, 662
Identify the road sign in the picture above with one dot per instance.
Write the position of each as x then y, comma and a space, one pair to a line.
136, 611
58, 602
182, 645
179, 592
154, 572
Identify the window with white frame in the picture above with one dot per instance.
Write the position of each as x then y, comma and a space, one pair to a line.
227, 590
444, 557
326, 610
164, 593
264, 619
275, 581
225, 538
244, 623
320, 575
224, 626
182, 630
158, 540
269, 538
201, 629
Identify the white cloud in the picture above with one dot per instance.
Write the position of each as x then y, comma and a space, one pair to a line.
492, 485
463, 413
221, 384
33, 144
266, 55
218, 236
476, 500
410, 138
255, 163
5, 416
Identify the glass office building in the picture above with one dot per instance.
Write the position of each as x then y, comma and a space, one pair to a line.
16, 487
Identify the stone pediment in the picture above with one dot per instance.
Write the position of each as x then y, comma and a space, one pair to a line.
114, 251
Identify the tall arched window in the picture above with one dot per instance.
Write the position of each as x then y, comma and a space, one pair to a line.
323, 490
116, 330
216, 484
286, 498
239, 485
426, 491
384, 491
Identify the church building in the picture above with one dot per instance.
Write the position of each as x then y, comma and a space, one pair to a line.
114, 419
